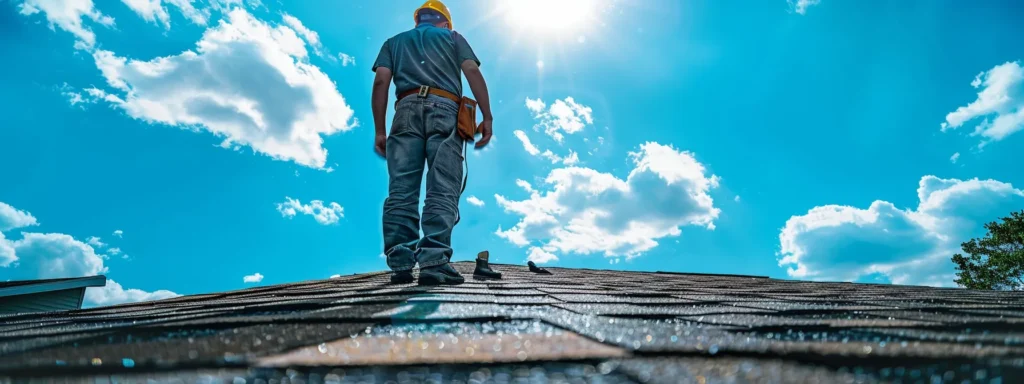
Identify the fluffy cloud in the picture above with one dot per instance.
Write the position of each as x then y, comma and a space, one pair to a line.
119, 233
540, 256
114, 293
475, 201
323, 214
309, 35
1000, 103
11, 218
56, 255
563, 116
572, 159
7, 255
346, 59
95, 242
527, 144
835, 242
247, 82
154, 11
956, 157
586, 211
253, 278
69, 16
800, 6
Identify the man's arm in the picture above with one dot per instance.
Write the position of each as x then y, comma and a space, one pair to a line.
379, 101
476, 83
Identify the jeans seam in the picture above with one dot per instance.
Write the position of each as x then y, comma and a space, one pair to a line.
402, 268
433, 263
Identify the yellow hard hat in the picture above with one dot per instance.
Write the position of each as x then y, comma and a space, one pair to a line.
436, 5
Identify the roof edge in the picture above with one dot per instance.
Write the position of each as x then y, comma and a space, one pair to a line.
74, 283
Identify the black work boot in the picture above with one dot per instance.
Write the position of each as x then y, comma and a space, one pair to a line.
483, 269
442, 274
535, 269
402, 277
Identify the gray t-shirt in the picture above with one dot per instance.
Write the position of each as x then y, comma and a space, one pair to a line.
426, 55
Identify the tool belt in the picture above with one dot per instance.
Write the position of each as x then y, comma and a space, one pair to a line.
466, 118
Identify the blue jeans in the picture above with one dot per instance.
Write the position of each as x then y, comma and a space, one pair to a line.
423, 130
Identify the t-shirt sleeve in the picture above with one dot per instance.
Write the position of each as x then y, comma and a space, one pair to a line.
384, 57
463, 50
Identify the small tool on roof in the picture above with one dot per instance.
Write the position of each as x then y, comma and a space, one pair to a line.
483, 269
535, 269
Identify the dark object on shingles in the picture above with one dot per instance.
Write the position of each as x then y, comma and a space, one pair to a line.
440, 275
483, 268
402, 277
535, 269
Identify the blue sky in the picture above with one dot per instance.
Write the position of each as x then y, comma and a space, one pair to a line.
229, 143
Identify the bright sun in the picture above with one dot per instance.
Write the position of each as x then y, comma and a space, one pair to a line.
550, 17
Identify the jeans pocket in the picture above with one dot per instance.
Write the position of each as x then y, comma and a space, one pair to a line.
402, 120
443, 119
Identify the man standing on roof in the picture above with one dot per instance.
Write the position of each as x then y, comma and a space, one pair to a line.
426, 64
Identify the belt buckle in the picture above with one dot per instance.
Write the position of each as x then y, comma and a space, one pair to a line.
424, 91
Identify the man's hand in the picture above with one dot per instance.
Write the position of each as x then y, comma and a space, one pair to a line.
479, 87
485, 133
379, 102
380, 145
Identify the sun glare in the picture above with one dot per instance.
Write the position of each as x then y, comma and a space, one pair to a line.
548, 17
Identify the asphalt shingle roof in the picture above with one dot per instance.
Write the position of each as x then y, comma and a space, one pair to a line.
570, 326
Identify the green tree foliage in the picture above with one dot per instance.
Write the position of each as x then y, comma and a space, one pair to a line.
995, 261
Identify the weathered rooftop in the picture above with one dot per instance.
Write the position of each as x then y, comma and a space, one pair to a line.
570, 326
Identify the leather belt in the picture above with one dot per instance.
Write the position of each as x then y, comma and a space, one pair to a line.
424, 90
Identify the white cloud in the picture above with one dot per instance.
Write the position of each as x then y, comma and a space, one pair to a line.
69, 16
113, 293
119, 233
154, 11
953, 159
535, 105
572, 159
524, 185
563, 116
95, 242
1000, 103
11, 218
114, 251
324, 214
56, 255
586, 211
307, 34
247, 82
7, 255
346, 59
527, 144
74, 98
540, 256
737, 198
335, 276
800, 6
253, 278
475, 201
835, 242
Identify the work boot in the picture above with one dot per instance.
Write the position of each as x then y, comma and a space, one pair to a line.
442, 274
535, 269
402, 277
483, 269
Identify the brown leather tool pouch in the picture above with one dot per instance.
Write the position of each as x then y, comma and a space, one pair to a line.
467, 119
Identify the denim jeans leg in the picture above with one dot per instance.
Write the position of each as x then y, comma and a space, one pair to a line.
405, 152
444, 184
